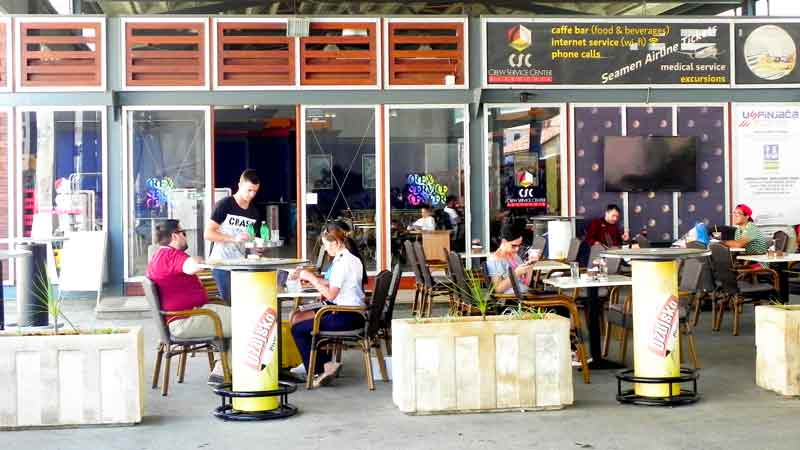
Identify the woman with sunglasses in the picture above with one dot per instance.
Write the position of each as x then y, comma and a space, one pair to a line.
507, 255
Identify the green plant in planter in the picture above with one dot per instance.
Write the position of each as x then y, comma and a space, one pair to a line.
479, 297
522, 312
51, 301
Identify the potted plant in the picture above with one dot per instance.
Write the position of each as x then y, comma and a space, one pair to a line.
70, 377
517, 360
778, 348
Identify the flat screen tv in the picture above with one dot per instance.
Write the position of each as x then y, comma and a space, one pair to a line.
655, 163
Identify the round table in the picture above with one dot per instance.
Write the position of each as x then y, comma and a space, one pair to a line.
256, 392
657, 373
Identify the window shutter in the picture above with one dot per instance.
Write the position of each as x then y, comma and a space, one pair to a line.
339, 54
254, 54
425, 53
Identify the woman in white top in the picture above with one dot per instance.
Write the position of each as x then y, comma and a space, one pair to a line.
343, 288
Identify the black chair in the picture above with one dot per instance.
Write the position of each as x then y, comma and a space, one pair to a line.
432, 286
169, 345
733, 290
781, 241
464, 304
419, 283
365, 338
531, 300
385, 332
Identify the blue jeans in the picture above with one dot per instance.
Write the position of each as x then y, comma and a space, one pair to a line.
301, 331
223, 279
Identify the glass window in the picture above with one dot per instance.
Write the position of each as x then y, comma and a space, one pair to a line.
524, 165
60, 172
426, 177
5, 204
341, 176
167, 180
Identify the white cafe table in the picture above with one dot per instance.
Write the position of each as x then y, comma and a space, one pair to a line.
594, 310
256, 392
782, 265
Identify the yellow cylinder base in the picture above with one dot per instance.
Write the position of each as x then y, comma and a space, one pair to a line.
254, 317
655, 325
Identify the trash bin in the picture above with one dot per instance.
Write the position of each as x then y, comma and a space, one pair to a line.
31, 290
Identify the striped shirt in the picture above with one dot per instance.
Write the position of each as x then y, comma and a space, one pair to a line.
757, 242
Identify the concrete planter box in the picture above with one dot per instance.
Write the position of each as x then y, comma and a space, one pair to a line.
472, 365
778, 349
71, 380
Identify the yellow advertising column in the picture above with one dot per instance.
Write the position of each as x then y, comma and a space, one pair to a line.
254, 319
656, 310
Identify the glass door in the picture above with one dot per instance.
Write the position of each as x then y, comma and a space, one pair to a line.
340, 177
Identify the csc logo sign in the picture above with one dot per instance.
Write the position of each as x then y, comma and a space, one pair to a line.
519, 60
526, 193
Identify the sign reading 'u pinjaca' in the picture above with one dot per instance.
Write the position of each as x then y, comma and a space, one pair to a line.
573, 52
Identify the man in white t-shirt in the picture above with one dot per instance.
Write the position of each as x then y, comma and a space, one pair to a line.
426, 222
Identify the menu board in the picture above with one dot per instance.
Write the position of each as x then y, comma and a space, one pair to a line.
574, 52
766, 53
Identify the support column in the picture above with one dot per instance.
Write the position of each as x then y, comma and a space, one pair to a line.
655, 325
254, 325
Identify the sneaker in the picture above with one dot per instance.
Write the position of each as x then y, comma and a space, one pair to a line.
576, 362
216, 377
299, 371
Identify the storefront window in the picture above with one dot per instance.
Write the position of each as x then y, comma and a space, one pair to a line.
167, 179
60, 173
426, 170
341, 176
5, 179
524, 165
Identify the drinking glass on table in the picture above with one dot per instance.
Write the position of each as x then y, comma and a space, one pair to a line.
574, 270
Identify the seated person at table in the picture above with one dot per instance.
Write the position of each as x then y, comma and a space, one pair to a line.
343, 289
425, 223
605, 230
748, 236
175, 274
507, 256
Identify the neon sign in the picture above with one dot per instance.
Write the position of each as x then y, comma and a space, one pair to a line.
157, 193
423, 188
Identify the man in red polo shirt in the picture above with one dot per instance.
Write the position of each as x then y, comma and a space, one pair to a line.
175, 274
605, 230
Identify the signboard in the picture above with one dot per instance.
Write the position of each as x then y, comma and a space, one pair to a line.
766, 161
526, 191
574, 52
766, 53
